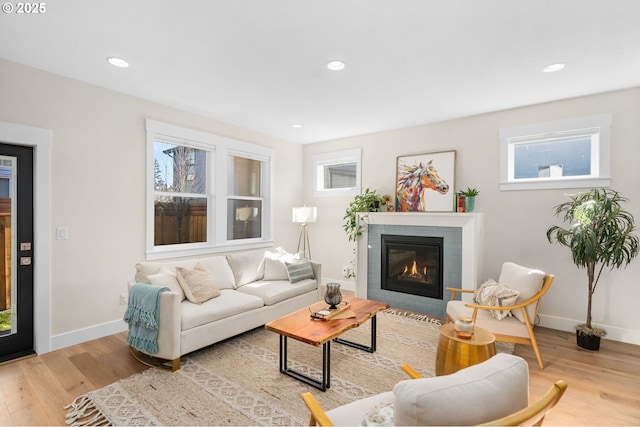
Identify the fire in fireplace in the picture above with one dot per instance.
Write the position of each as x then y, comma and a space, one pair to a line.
412, 265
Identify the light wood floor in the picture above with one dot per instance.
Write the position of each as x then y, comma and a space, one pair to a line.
604, 386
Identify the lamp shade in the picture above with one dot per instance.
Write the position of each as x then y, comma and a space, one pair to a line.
246, 213
304, 214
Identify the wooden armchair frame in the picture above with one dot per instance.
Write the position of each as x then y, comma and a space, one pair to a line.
531, 340
531, 415
318, 417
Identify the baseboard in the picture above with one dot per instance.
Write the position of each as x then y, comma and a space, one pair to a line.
83, 335
614, 333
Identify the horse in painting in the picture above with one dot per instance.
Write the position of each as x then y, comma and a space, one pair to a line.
413, 181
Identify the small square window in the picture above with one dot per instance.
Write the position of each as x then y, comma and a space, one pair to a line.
337, 173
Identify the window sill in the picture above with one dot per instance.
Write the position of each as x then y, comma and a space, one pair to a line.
162, 253
556, 184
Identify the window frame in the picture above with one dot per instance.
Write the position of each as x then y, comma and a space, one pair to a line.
332, 158
218, 149
597, 126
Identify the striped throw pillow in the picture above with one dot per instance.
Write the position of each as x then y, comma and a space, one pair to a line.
299, 270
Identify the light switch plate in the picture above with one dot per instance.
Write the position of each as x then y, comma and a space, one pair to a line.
62, 233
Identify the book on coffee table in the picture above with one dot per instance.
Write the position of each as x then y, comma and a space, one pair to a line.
321, 310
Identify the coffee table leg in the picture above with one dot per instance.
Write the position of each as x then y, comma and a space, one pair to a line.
326, 366
371, 348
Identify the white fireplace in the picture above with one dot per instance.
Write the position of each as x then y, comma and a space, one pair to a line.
463, 235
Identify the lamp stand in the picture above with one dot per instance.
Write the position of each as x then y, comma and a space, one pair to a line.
304, 239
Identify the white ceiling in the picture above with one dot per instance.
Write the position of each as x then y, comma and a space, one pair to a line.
261, 64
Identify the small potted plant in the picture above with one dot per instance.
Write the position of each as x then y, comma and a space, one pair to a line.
600, 234
469, 198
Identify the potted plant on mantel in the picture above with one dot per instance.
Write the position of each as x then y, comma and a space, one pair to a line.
369, 201
470, 198
600, 235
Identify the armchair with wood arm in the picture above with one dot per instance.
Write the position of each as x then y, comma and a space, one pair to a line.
517, 328
499, 388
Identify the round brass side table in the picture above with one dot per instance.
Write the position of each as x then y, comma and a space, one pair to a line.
456, 353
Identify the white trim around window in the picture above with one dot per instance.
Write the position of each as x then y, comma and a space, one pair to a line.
594, 129
218, 150
336, 158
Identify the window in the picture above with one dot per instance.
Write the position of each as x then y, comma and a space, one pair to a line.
572, 153
337, 173
206, 193
244, 199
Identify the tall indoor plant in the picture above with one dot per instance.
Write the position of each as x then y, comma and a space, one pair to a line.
600, 234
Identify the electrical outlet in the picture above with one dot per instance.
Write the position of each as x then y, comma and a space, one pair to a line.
123, 299
345, 271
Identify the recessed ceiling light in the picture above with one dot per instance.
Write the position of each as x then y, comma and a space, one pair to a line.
554, 67
335, 65
296, 125
118, 62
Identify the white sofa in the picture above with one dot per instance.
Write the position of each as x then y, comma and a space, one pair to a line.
255, 288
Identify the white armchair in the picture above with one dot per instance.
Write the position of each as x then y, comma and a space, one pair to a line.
531, 284
495, 392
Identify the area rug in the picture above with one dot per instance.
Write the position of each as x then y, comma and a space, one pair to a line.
237, 381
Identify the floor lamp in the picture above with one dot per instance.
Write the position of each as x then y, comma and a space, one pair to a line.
304, 215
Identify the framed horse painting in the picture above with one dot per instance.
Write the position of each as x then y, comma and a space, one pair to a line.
426, 182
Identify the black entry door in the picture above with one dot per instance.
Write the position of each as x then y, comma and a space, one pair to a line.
16, 251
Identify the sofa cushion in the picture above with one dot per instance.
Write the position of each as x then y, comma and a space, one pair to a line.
220, 270
527, 281
507, 326
229, 303
166, 277
272, 292
246, 266
474, 395
198, 284
299, 270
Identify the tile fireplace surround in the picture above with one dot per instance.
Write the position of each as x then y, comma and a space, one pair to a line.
463, 243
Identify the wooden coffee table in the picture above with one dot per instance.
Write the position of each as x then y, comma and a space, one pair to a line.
300, 326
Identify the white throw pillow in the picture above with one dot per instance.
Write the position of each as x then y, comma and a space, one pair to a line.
166, 277
144, 270
273, 264
496, 295
197, 283
379, 415
527, 281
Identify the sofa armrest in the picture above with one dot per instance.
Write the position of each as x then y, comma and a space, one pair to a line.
317, 273
168, 325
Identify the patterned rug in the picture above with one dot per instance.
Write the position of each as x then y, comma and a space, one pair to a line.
237, 381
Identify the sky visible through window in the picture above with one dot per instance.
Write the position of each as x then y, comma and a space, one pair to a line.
573, 155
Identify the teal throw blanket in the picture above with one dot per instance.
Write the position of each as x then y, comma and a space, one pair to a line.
142, 316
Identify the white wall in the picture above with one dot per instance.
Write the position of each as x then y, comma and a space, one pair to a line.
515, 221
98, 188
97, 191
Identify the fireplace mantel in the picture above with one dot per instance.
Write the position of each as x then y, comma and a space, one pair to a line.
471, 225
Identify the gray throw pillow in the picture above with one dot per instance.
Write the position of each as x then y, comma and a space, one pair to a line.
299, 270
